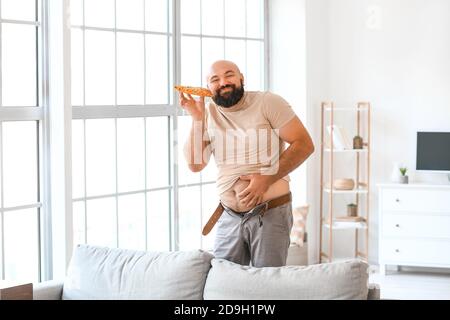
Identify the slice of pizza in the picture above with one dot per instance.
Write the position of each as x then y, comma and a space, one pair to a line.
196, 91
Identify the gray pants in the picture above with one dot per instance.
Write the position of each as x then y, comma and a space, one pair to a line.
249, 237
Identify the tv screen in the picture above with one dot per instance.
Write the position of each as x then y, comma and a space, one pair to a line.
433, 151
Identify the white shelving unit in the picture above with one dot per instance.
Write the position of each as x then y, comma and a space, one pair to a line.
361, 191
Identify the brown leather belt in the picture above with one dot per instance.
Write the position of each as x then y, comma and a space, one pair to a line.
268, 205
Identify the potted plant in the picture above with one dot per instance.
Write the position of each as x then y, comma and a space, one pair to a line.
352, 210
403, 177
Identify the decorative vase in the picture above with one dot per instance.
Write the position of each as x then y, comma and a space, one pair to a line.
396, 175
404, 179
352, 211
357, 142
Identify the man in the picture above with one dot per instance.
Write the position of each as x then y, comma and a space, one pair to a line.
241, 128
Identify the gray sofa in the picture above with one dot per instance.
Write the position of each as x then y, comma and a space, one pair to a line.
105, 273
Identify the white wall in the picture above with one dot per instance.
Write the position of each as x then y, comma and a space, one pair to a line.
318, 86
399, 61
287, 70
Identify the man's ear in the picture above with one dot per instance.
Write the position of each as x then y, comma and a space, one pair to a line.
207, 81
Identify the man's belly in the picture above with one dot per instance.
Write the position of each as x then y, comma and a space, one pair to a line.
230, 197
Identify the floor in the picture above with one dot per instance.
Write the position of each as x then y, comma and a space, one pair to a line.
413, 283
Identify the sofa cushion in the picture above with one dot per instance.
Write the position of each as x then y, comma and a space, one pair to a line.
105, 273
338, 280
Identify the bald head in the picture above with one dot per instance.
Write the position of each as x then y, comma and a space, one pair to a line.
220, 67
226, 82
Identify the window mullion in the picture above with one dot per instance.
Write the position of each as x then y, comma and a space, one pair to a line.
266, 46
2, 220
177, 78
115, 124
145, 57
45, 217
84, 127
60, 126
145, 186
1, 63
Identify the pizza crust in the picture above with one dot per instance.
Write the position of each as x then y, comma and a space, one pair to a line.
196, 91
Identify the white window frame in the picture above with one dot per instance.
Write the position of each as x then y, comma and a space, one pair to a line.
29, 113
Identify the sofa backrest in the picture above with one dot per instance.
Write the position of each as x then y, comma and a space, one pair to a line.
339, 280
105, 273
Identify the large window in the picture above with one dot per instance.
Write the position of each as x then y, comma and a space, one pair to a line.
20, 139
121, 98
131, 187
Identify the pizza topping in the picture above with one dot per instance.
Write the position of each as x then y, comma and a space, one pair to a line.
196, 91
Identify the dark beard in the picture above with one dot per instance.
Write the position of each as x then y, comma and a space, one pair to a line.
231, 98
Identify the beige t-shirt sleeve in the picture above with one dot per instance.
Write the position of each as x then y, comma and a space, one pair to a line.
277, 110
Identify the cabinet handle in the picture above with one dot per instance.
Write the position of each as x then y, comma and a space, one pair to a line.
397, 225
397, 250
397, 200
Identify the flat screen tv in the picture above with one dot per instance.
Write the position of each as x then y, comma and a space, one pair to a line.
433, 151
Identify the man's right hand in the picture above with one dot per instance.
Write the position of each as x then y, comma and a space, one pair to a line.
196, 108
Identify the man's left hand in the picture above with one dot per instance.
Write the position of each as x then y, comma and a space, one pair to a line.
253, 194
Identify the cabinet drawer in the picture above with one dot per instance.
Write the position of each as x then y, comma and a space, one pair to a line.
428, 226
417, 200
415, 251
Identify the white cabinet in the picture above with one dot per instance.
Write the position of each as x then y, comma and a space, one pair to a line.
414, 225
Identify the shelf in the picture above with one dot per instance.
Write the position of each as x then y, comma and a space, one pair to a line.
354, 191
345, 109
346, 225
347, 150
340, 260
340, 223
